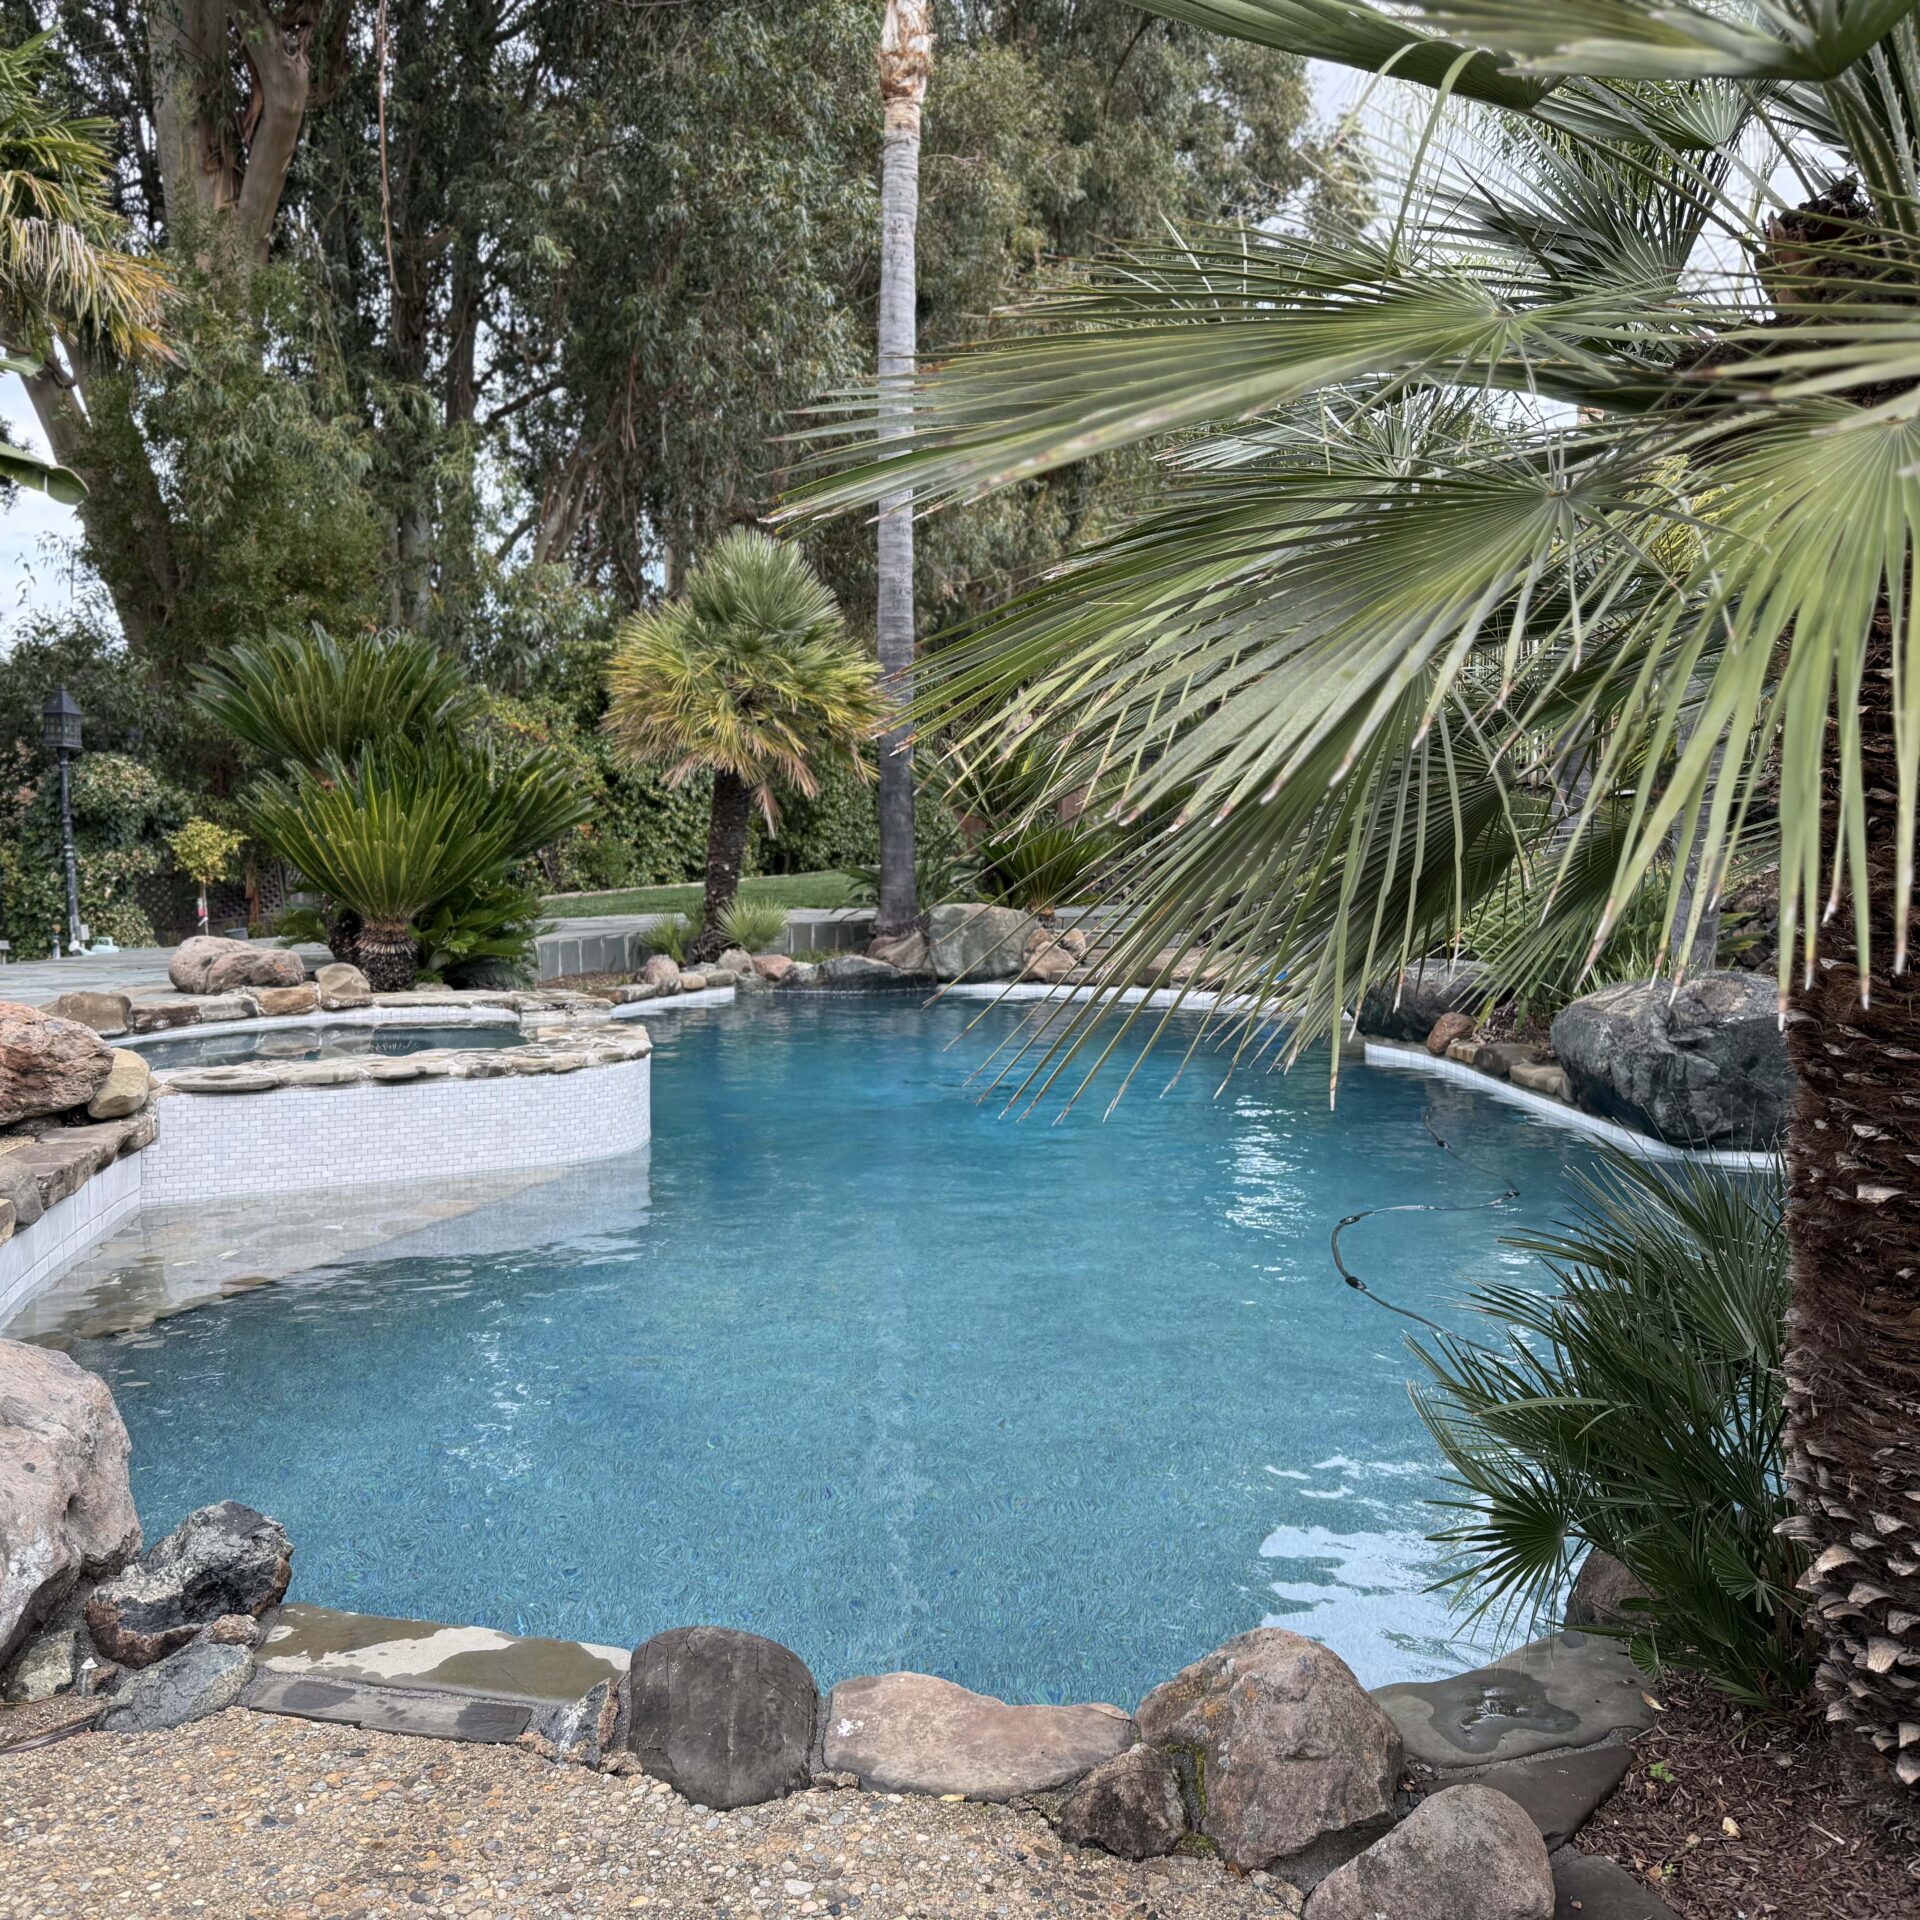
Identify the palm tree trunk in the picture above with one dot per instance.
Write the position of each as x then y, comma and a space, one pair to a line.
906, 57
727, 828
1853, 1332
387, 954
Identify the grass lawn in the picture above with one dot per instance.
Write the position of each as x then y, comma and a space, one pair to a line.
780, 889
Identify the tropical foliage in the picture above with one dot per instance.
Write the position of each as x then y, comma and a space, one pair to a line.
1635, 1407
756, 926
748, 677
1360, 659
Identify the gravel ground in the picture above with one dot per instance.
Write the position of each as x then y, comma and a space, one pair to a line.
248, 1815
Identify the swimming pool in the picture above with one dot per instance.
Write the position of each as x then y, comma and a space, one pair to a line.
858, 1363
330, 1042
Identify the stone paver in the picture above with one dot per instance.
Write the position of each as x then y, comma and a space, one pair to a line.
1570, 1690
1561, 1791
1587, 1887
248, 1815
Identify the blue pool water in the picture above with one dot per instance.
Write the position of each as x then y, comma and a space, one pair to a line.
860, 1364
329, 1042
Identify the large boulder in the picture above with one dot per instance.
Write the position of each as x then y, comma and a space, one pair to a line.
125, 1089
1130, 1805
105, 1013
1703, 1066
662, 973
218, 1560
1467, 1853
200, 1679
47, 1065
724, 1717
341, 986
977, 942
1601, 1590
205, 964
1289, 1744
1404, 1006
66, 1508
915, 1733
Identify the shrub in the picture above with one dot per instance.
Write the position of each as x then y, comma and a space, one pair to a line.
1636, 1409
754, 924
672, 934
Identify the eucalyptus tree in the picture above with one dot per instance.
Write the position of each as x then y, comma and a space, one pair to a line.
1326, 679
906, 62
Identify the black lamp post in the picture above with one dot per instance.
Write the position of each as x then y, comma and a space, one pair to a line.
60, 721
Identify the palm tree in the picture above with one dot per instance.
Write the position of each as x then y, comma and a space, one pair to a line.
1670, 253
906, 60
64, 274
748, 676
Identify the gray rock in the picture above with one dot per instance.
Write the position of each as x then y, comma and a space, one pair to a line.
200, 1679
1601, 1590
1587, 1887
126, 1088
224, 1080
48, 1665
341, 986
978, 942
1130, 1805
720, 976
661, 973
105, 1013
725, 1717
1570, 1690
1542, 1076
1702, 1067
915, 1733
66, 1507
47, 1065
319, 1073
582, 1730
1290, 1746
218, 1560
208, 965
1467, 1853
1559, 1792
736, 961
695, 982
1405, 1006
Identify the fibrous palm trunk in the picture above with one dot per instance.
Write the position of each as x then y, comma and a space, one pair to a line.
906, 56
1853, 1332
727, 827
387, 954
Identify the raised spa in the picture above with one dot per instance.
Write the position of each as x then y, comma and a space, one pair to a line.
859, 1362
324, 1042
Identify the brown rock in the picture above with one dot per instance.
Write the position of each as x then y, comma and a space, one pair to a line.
19, 1189
692, 983
1049, 962
277, 1003
8, 1220
207, 965
126, 1087
662, 972
773, 967
736, 961
47, 1065
65, 1161
233, 1630
341, 986
1130, 1805
1291, 1746
914, 1733
1447, 1029
103, 1012
1467, 1853
66, 1508
908, 951
1601, 1590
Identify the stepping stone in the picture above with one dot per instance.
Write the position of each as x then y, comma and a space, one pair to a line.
1589, 1887
430, 1716
1570, 1690
914, 1733
1560, 1794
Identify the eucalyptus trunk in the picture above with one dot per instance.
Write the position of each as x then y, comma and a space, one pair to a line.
727, 827
906, 58
1853, 1332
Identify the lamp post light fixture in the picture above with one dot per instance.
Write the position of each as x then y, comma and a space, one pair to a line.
60, 723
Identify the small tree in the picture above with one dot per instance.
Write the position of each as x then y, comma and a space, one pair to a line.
203, 850
750, 676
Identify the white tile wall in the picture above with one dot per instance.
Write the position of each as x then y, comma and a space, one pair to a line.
66, 1230
297, 1138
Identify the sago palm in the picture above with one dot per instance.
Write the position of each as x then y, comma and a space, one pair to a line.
1344, 675
749, 676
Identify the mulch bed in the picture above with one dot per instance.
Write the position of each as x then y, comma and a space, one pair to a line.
1731, 1816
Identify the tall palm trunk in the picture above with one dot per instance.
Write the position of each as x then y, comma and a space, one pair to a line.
727, 827
906, 58
1853, 1333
